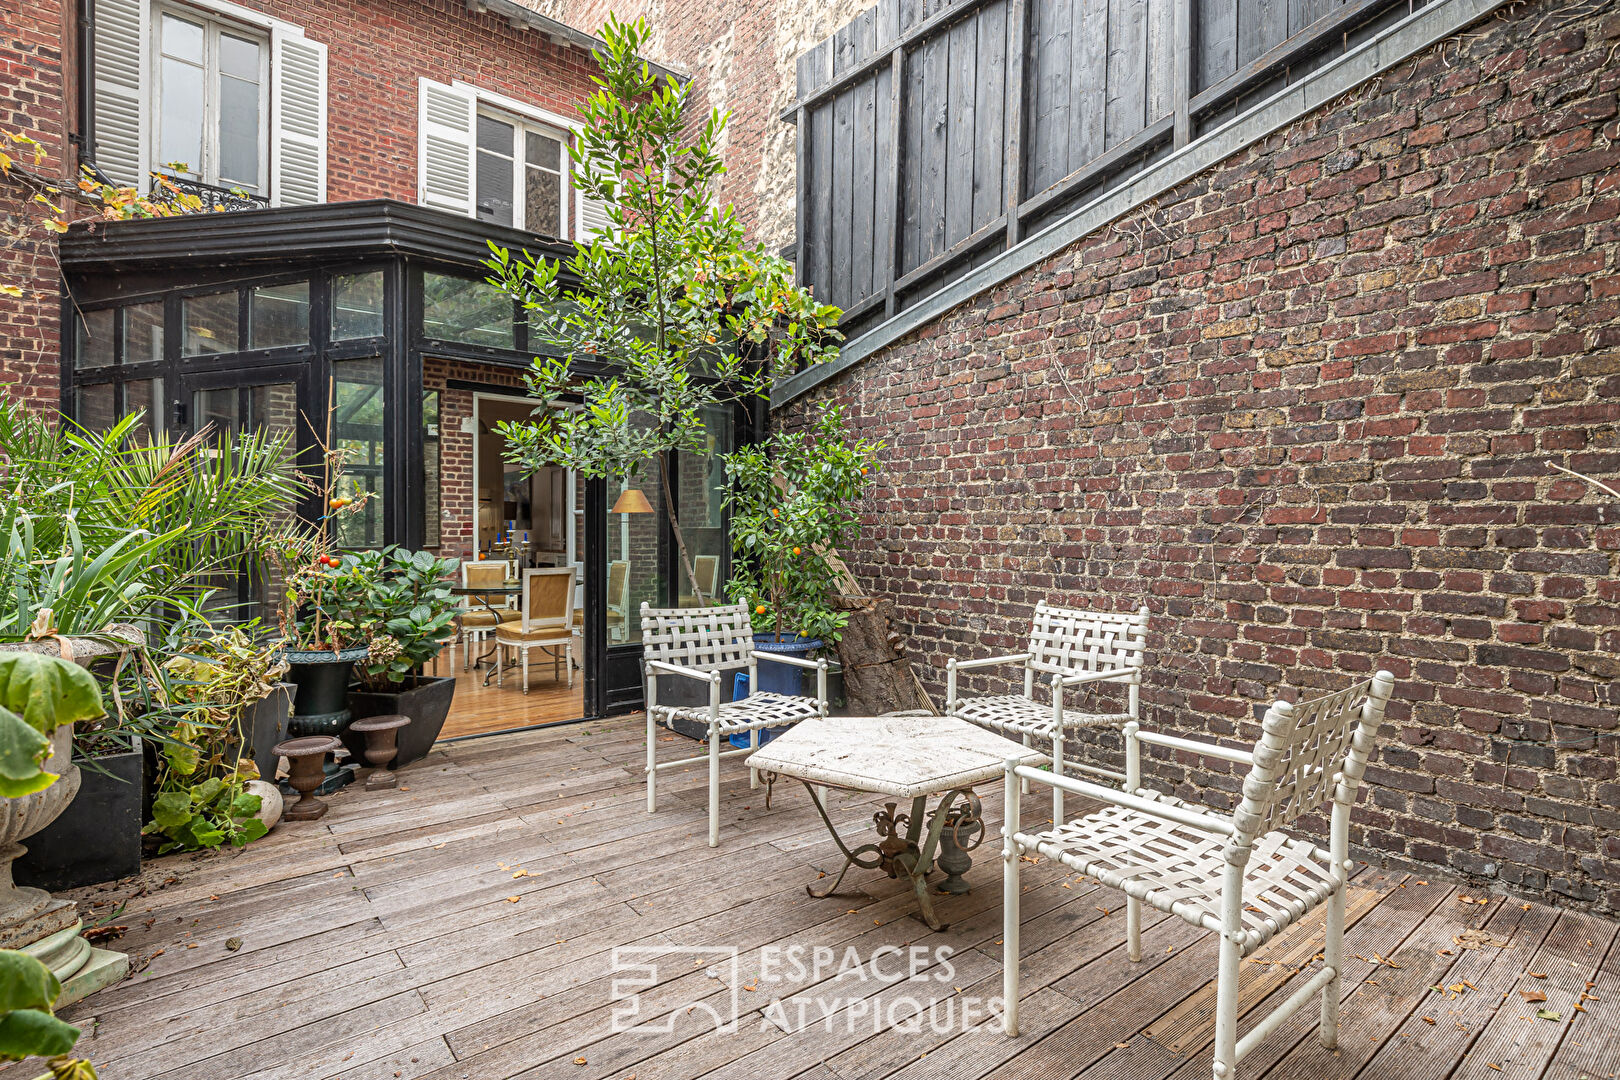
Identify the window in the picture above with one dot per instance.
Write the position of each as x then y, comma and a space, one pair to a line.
467, 310
357, 431
357, 306
521, 175
278, 315
211, 101
210, 324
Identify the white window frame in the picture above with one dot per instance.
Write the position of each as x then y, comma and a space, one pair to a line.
521, 127
214, 18
561, 127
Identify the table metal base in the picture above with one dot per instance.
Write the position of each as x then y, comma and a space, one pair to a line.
954, 828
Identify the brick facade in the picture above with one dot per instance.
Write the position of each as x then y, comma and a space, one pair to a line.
1302, 408
376, 53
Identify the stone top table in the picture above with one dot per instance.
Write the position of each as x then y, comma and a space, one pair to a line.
908, 757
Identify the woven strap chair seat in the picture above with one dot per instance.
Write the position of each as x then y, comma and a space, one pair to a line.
1021, 715
1178, 869
761, 710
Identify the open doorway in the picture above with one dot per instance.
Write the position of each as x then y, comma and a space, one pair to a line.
526, 522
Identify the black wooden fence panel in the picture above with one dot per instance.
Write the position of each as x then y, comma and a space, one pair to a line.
934, 133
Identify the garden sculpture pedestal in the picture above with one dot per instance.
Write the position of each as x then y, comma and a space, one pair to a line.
908, 757
305, 758
382, 746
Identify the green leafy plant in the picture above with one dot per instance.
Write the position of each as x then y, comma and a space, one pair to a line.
409, 612
793, 505
38, 694
200, 801
672, 298
28, 993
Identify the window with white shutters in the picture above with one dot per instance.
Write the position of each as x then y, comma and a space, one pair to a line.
209, 93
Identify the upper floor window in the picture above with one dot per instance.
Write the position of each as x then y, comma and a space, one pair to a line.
212, 102
521, 180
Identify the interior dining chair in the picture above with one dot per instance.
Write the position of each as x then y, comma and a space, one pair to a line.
618, 599
1239, 876
476, 620
706, 568
547, 623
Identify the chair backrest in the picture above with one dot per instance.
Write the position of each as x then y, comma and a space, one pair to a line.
706, 568
704, 637
1069, 641
618, 587
486, 573
1311, 753
548, 599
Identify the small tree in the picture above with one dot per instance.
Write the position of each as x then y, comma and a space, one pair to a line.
670, 298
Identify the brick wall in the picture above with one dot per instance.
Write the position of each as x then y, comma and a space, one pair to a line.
1301, 408
31, 103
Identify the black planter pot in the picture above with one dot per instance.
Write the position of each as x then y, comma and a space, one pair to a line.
264, 724
689, 693
322, 679
98, 837
423, 698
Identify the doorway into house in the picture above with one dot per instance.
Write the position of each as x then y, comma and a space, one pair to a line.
522, 522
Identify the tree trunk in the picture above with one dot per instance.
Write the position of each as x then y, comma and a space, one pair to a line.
675, 526
877, 673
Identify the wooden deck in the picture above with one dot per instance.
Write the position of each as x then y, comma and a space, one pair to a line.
461, 928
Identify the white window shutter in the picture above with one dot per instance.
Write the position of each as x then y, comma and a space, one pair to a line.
446, 121
297, 120
123, 30
590, 218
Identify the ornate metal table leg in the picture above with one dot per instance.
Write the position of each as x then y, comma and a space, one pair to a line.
851, 858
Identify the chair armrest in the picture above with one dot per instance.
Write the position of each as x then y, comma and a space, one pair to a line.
990, 661
1114, 797
666, 668
796, 661
1100, 676
1196, 746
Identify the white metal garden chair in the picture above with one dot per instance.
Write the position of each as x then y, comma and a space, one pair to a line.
1238, 876
1070, 648
709, 645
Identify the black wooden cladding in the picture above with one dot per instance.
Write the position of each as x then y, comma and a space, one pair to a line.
933, 134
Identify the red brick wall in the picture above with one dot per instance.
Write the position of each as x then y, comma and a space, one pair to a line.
31, 103
1301, 408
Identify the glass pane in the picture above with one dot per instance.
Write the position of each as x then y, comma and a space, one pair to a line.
357, 430
633, 543
494, 188
701, 495
357, 306
239, 57
466, 310
430, 468
209, 324
182, 39
146, 396
180, 122
93, 346
93, 406
238, 133
219, 408
542, 150
278, 315
143, 333
542, 202
495, 135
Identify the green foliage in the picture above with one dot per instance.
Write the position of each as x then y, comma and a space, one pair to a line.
409, 612
793, 506
672, 298
38, 694
28, 991
207, 689
103, 527
326, 602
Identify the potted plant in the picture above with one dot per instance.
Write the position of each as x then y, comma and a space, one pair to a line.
793, 506
41, 698
409, 615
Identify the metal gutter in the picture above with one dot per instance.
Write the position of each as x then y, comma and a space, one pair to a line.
526, 18
1398, 43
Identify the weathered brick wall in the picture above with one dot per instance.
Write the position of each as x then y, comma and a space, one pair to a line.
1302, 408
32, 104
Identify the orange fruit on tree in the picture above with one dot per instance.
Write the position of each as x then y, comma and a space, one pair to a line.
759, 610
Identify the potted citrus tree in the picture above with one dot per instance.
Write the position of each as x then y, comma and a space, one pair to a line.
793, 502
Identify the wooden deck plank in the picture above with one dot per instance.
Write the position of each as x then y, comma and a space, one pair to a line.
380, 943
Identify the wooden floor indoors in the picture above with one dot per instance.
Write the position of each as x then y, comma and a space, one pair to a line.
479, 709
461, 928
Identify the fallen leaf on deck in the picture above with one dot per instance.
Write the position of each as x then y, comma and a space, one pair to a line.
1532, 996
1428, 1019
579, 1061
513, 899
1548, 1014
1536, 974
232, 944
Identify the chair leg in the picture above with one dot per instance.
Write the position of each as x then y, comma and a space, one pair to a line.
1333, 957
652, 763
1057, 770
753, 773
525, 671
714, 788
570, 665
1010, 894
1023, 785
1133, 928
1226, 1010
500, 664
